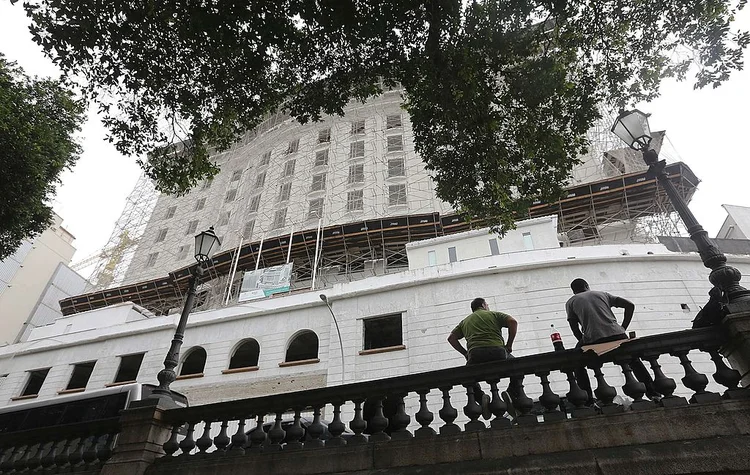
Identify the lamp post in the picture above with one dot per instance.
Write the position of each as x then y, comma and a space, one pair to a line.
633, 129
206, 244
324, 298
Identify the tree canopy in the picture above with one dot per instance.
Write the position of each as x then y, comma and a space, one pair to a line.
38, 120
500, 92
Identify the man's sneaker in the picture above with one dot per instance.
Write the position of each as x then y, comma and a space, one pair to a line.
509, 403
486, 412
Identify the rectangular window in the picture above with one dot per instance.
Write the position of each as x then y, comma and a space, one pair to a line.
151, 260
357, 173
279, 218
395, 143
396, 195
200, 204
528, 242
284, 191
358, 127
382, 332
191, 227
316, 209
207, 184
393, 121
289, 167
321, 158
293, 146
431, 258
224, 219
357, 149
35, 382
265, 159
162, 235
236, 175
354, 200
182, 252
254, 204
396, 167
170, 212
318, 182
129, 367
231, 196
248, 231
81, 374
494, 249
452, 256
260, 180
324, 136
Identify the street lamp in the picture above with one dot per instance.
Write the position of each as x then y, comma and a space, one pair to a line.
633, 129
206, 244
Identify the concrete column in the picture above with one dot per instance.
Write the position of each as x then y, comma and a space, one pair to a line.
737, 350
140, 440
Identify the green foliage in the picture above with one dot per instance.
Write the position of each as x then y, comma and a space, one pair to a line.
38, 118
500, 92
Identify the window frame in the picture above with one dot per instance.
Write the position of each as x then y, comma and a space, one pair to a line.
394, 146
394, 190
76, 366
120, 368
368, 341
31, 373
351, 198
319, 210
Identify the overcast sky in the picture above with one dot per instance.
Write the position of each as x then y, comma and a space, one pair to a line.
708, 128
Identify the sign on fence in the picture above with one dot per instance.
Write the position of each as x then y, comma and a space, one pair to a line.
257, 284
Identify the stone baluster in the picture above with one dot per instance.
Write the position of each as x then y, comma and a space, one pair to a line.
694, 380
378, 422
19, 463
89, 455
400, 421
664, 385
472, 410
336, 427
498, 408
171, 445
448, 414
358, 424
276, 434
315, 430
35, 456
550, 401
634, 388
605, 392
239, 439
221, 441
296, 432
727, 377
188, 443
9, 462
48, 460
76, 453
523, 405
424, 417
205, 442
63, 457
105, 446
258, 436
577, 397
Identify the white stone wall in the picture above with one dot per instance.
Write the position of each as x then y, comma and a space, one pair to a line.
433, 300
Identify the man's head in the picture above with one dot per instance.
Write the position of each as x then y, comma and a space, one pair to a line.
478, 304
579, 285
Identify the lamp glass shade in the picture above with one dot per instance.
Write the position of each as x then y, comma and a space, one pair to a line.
632, 128
206, 244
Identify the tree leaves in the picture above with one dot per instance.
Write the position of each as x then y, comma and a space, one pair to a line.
500, 92
38, 120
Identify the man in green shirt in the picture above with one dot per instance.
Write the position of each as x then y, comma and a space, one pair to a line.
484, 339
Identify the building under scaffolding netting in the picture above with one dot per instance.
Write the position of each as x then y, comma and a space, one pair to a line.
339, 200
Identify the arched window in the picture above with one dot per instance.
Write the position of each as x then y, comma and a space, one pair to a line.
194, 362
304, 346
246, 355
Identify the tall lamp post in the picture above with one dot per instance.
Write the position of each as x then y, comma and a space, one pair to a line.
206, 244
633, 129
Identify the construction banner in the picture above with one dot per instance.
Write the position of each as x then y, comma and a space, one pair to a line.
261, 283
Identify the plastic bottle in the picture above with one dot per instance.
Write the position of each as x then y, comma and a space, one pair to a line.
556, 339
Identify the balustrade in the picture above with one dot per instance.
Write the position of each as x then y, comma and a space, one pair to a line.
427, 405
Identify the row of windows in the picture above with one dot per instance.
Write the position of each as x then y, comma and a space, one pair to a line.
528, 244
379, 332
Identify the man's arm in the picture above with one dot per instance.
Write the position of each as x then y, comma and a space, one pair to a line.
512, 330
453, 340
576, 329
629, 307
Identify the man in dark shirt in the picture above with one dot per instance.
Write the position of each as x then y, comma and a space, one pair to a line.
484, 339
592, 311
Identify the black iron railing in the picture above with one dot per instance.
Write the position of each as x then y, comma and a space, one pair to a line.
240, 426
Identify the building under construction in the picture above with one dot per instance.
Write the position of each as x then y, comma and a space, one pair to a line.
340, 199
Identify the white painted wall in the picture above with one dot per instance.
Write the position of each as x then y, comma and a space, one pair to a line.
737, 223
532, 286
